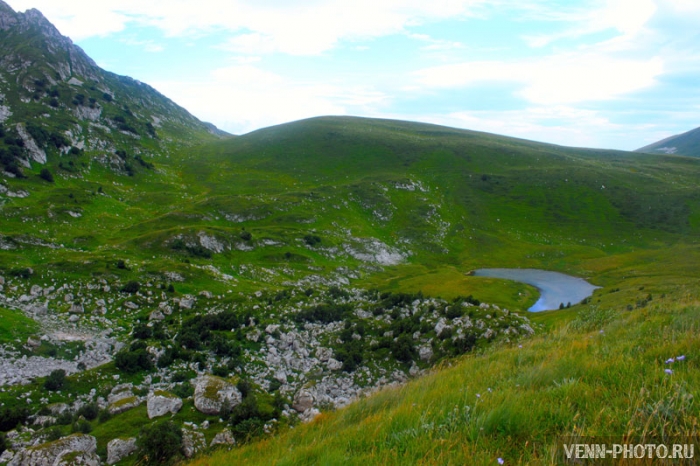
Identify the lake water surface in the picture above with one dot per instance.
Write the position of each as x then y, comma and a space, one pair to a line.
555, 288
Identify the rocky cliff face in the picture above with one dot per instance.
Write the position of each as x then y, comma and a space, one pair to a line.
56, 100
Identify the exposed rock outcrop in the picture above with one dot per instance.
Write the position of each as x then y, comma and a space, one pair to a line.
212, 394
118, 449
62, 451
161, 403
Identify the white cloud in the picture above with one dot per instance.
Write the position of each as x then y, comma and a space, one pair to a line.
627, 17
242, 98
564, 125
560, 79
304, 27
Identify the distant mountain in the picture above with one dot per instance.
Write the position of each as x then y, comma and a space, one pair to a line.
680, 144
54, 100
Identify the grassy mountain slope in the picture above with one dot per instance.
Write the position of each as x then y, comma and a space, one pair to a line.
682, 144
396, 206
597, 373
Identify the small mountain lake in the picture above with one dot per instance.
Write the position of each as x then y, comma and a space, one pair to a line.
555, 288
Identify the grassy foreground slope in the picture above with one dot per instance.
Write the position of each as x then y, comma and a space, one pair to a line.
629, 222
595, 373
394, 206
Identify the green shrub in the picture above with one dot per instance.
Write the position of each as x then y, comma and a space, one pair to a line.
56, 380
89, 411
133, 361
131, 287
159, 443
45, 174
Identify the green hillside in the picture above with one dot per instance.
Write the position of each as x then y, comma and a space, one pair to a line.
687, 143
342, 224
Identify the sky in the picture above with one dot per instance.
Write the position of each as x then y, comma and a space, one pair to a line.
614, 74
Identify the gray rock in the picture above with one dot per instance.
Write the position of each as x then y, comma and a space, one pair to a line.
156, 315
74, 318
124, 404
119, 449
76, 309
78, 459
334, 364
68, 297
35, 290
33, 342
187, 302
161, 403
425, 353
52, 453
212, 393
225, 437
192, 442
37, 309
303, 401
130, 305
324, 354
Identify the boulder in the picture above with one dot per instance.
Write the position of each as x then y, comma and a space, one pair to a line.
303, 401
76, 309
334, 364
192, 442
161, 403
212, 393
225, 437
324, 354
63, 451
156, 315
35, 290
187, 302
124, 404
130, 305
425, 353
33, 342
78, 459
37, 309
119, 449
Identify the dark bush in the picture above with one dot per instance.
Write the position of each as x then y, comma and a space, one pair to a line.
56, 380
132, 362
21, 272
131, 287
159, 443
183, 390
10, 417
81, 426
325, 313
403, 349
312, 240
142, 331
45, 174
89, 411
246, 235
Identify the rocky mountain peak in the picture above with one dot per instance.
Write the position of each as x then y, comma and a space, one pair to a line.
8, 17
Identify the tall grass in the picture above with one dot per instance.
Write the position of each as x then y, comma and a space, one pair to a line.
516, 402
